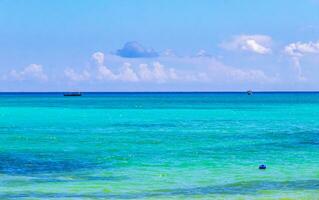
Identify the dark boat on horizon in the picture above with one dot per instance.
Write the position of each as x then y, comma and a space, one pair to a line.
72, 94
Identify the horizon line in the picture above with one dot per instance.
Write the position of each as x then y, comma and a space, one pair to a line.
226, 91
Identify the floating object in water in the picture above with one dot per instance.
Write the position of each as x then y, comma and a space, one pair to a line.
249, 92
72, 94
262, 167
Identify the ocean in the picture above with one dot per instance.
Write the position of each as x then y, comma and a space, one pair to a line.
159, 146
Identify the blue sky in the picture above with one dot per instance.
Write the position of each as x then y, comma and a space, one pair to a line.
164, 45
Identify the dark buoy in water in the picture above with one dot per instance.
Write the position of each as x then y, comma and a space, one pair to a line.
262, 167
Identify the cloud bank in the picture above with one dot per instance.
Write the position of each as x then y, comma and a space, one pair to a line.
148, 68
154, 72
31, 72
202, 68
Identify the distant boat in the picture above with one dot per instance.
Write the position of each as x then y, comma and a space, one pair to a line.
249, 92
72, 94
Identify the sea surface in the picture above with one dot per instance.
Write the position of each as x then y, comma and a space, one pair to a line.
159, 146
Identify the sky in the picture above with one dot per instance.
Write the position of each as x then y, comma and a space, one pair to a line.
160, 45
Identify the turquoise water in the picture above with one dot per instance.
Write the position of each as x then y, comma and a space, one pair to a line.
159, 146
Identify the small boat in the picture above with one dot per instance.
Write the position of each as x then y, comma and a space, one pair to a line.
72, 94
249, 92
262, 166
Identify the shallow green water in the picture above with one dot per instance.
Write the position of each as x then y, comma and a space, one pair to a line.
159, 146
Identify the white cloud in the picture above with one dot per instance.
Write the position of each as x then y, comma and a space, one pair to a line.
98, 57
127, 73
200, 68
259, 44
297, 50
221, 72
145, 73
250, 75
157, 72
105, 73
254, 46
74, 76
31, 72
